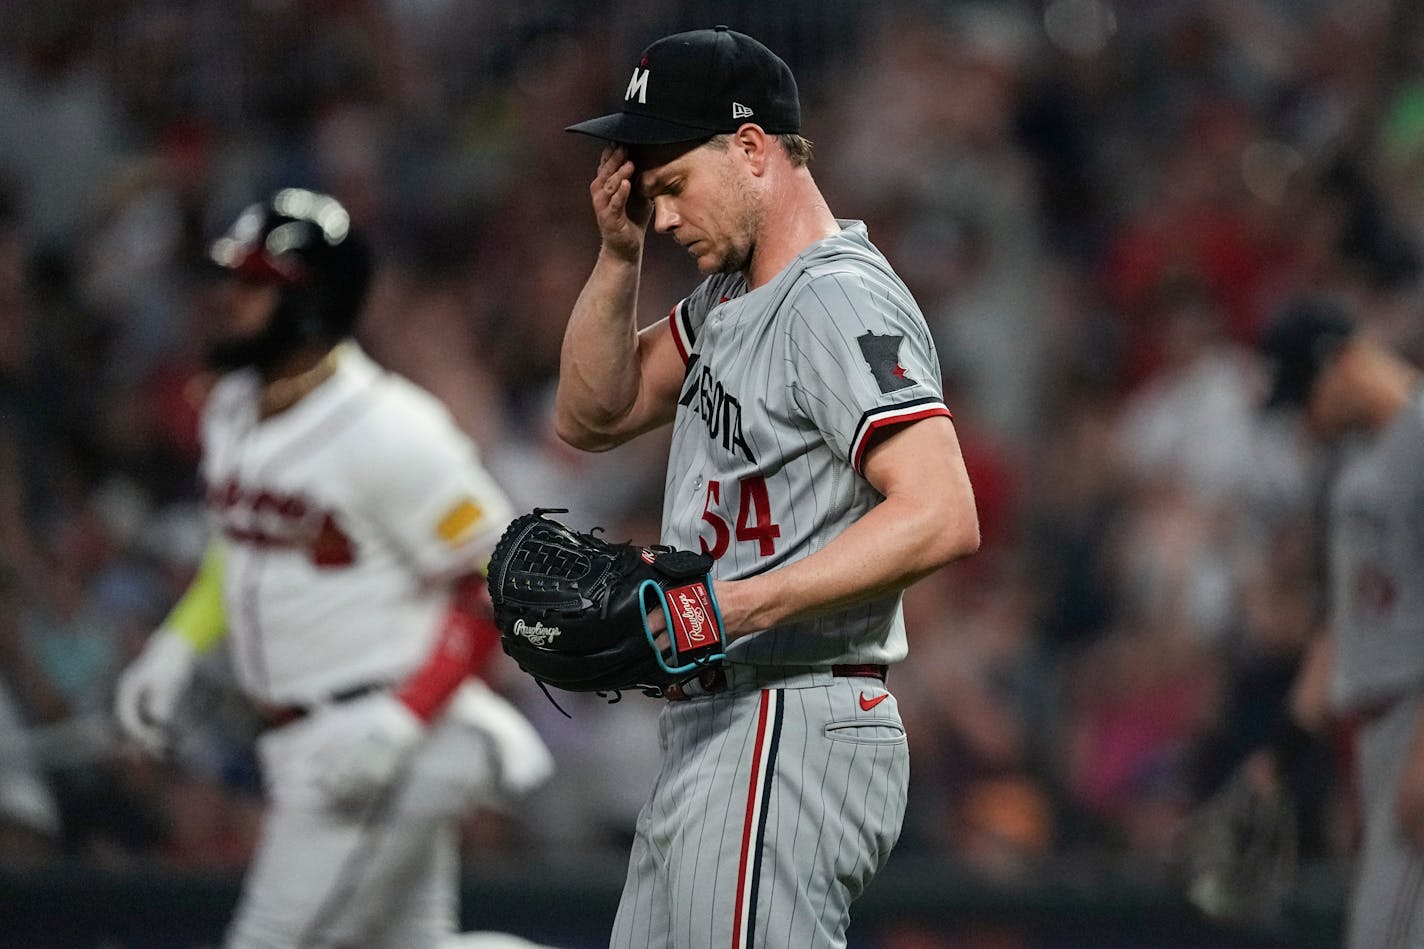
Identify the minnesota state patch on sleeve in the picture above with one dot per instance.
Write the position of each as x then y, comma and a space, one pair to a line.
882, 355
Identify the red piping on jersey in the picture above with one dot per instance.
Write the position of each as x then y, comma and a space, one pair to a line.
749, 822
676, 328
892, 420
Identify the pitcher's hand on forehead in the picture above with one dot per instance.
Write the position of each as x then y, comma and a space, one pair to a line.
621, 211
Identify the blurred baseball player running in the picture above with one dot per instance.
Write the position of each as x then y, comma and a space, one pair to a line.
351, 518
812, 455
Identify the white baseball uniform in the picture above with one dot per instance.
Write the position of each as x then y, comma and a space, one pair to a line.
345, 518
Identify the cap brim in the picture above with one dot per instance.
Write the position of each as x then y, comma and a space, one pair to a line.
633, 129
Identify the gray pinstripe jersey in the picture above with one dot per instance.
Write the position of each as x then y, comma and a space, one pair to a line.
1377, 563
785, 386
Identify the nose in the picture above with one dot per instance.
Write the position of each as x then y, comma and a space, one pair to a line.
665, 217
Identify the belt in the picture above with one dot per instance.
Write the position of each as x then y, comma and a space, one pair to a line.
276, 716
713, 679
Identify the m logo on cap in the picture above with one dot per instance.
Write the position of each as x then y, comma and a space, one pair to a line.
638, 84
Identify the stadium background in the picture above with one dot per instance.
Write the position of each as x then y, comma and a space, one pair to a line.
1097, 204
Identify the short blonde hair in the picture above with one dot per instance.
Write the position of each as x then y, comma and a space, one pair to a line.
797, 147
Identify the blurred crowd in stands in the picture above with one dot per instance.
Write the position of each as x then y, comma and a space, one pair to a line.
1098, 205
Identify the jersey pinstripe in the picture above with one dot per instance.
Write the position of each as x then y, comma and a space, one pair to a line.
785, 387
773, 810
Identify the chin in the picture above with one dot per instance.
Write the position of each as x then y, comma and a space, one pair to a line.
709, 264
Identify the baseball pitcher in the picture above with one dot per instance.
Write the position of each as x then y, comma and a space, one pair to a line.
813, 465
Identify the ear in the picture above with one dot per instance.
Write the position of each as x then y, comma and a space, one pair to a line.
754, 145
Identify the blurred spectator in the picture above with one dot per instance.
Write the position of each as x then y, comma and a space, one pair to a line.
29, 815
1135, 705
1194, 421
951, 199
53, 93
973, 700
1076, 495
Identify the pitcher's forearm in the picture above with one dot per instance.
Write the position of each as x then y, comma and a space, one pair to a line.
599, 373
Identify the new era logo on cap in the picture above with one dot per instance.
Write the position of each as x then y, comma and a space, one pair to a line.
694, 85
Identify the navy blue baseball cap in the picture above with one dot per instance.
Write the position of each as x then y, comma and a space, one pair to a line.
1298, 344
694, 85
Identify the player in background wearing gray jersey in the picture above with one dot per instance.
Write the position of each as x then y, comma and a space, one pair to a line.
812, 455
1362, 397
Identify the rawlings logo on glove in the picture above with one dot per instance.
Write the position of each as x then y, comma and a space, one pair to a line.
692, 617
573, 610
538, 634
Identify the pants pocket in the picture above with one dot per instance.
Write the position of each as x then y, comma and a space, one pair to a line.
866, 731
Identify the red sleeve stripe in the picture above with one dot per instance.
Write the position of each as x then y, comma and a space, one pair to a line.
681, 336
891, 415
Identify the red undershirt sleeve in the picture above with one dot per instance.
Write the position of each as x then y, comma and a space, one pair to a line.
466, 642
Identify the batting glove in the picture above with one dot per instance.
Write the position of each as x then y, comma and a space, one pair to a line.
150, 688
355, 770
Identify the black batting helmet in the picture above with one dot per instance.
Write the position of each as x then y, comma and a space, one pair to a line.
303, 242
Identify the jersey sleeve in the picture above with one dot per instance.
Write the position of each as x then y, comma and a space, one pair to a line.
198, 616
686, 319
861, 360
428, 491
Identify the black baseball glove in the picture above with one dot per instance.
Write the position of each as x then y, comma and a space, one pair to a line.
572, 608
1239, 850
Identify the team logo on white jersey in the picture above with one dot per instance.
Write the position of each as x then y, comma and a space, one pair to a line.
264, 518
538, 634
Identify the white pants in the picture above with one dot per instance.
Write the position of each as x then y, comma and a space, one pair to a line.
386, 877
